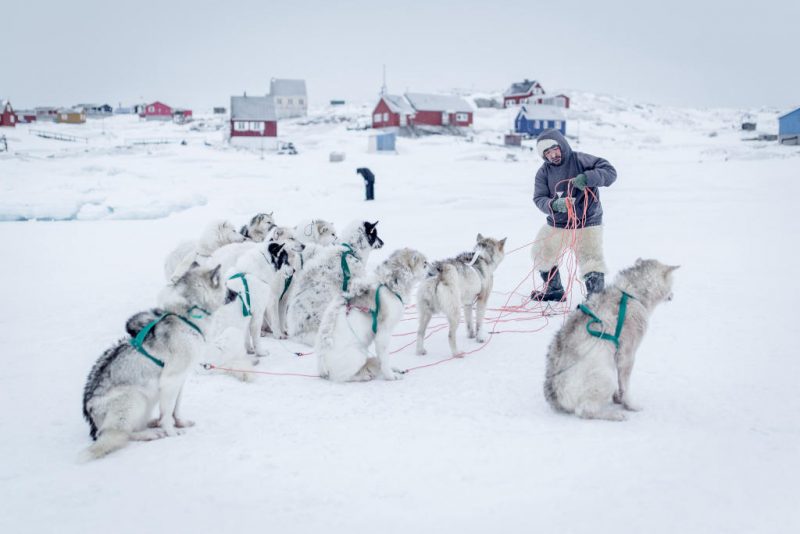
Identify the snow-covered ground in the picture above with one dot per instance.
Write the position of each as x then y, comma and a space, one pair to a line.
466, 446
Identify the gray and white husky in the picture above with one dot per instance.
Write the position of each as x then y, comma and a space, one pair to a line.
259, 227
215, 235
125, 385
322, 278
457, 283
586, 375
368, 313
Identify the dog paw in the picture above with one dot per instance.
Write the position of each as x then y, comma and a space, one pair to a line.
459, 354
152, 423
421, 352
631, 406
481, 338
262, 352
183, 423
470, 334
617, 398
392, 375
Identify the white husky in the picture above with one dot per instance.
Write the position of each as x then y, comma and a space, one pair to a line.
587, 372
215, 235
367, 313
126, 383
315, 231
327, 275
459, 283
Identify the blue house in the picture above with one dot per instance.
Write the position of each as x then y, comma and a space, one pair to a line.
534, 119
789, 128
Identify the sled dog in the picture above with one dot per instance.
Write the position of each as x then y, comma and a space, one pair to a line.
367, 313
458, 283
327, 275
315, 231
216, 235
126, 383
588, 373
258, 228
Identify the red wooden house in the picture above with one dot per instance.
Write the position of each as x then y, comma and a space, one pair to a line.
156, 111
392, 111
440, 110
253, 120
525, 92
7, 115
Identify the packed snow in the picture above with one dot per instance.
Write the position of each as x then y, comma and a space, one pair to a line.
467, 445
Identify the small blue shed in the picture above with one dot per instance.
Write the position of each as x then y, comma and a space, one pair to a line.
789, 128
382, 142
534, 119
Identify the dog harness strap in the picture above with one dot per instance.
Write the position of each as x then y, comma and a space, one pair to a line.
377, 309
138, 341
245, 307
345, 267
286, 285
623, 307
198, 308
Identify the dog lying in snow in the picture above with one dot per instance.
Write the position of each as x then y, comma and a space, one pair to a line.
586, 373
367, 313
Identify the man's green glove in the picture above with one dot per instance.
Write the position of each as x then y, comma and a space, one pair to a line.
560, 204
579, 181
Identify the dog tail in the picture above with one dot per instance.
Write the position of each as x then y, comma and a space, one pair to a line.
446, 290
107, 442
135, 324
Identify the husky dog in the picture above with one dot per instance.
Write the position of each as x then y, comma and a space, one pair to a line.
327, 275
315, 231
367, 313
125, 385
216, 235
259, 277
258, 227
460, 282
585, 373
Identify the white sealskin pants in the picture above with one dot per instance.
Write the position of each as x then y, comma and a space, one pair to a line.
551, 243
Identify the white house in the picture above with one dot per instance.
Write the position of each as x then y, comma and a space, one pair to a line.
290, 97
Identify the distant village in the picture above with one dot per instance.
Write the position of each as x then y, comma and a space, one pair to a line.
253, 119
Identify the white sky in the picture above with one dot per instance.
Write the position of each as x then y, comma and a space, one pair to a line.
198, 53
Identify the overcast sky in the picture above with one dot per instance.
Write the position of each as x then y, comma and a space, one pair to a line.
198, 53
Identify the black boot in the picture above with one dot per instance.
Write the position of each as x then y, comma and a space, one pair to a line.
553, 290
595, 283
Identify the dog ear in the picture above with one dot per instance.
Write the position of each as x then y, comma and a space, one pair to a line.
479, 238
194, 264
502, 243
270, 214
274, 248
214, 276
639, 261
671, 268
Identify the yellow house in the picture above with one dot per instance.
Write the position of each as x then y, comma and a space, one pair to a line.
71, 116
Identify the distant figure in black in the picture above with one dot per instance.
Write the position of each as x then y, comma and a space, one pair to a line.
369, 181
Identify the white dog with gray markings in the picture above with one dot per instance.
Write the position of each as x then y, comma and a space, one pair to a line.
326, 276
368, 313
150, 367
589, 362
215, 235
461, 282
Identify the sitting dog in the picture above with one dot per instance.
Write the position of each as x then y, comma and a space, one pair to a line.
459, 282
325, 276
216, 235
589, 362
367, 313
127, 382
259, 227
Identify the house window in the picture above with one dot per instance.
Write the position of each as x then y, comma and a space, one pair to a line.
240, 126
462, 117
291, 101
536, 124
300, 101
376, 117
280, 101
558, 125
151, 109
385, 117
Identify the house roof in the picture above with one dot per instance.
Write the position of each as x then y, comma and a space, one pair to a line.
398, 104
427, 102
254, 108
279, 87
520, 88
539, 112
789, 113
